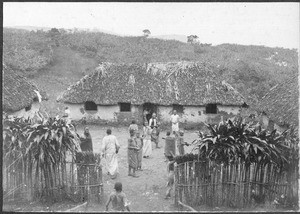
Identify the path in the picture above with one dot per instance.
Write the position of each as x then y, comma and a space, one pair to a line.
67, 68
145, 193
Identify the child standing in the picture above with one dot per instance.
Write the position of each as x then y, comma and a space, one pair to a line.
118, 199
170, 147
132, 155
139, 143
154, 137
133, 127
170, 169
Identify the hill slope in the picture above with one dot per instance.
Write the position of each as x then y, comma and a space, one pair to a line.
252, 70
68, 67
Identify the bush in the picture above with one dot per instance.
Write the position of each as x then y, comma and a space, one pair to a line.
234, 141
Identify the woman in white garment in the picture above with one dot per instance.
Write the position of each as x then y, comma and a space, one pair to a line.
147, 148
110, 149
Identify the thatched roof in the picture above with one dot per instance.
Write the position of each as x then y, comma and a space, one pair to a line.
281, 103
185, 83
17, 91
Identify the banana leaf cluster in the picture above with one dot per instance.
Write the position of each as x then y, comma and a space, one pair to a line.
237, 141
39, 147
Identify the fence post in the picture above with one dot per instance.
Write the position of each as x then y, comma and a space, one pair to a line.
176, 184
72, 175
88, 182
101, 182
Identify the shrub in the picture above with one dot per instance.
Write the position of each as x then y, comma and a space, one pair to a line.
234, 141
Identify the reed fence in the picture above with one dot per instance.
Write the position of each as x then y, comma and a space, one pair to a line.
73, 179
235, 185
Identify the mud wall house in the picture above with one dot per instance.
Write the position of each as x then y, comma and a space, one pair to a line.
122, 92
279, 108
20, 97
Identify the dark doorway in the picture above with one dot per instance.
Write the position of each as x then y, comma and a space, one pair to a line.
90, 106
178, 108
148, 110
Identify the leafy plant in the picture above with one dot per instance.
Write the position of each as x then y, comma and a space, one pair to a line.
233, 141
40, 147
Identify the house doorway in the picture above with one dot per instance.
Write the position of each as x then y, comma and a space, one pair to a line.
148, 110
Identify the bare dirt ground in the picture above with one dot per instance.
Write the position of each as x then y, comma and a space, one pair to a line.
145, 193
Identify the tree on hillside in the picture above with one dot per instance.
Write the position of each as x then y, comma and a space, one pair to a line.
53, 32
192, 39
54, 35
146, 32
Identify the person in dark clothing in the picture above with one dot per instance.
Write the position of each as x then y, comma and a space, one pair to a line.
170, 147
86, 157
86, 141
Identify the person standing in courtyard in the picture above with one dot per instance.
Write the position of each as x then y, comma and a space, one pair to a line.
86, 145
86, 141
153, 123
175, 122
87, 157
118, 199
133, 126
132, 155
170, 147
139, 143
147, 148
110, 149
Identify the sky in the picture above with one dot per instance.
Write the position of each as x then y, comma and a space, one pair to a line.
268, 24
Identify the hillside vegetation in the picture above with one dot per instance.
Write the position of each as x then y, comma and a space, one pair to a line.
25, 51
252, 70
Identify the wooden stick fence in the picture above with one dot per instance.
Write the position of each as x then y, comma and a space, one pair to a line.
77, 181
236, 185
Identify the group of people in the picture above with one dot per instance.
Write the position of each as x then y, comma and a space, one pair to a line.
139, 147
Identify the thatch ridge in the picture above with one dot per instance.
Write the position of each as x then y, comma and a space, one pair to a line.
184, 83
281, 103
17, 91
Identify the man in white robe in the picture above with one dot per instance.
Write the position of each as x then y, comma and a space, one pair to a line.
175, 122
110, 149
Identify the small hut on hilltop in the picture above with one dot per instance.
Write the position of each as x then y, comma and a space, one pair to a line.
280, 106
122, 92
20, 97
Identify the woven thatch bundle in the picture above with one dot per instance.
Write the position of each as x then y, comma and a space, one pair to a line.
281, 103
185, 83
17, 91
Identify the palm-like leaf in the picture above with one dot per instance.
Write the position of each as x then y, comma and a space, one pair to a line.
236, 140
44, 143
